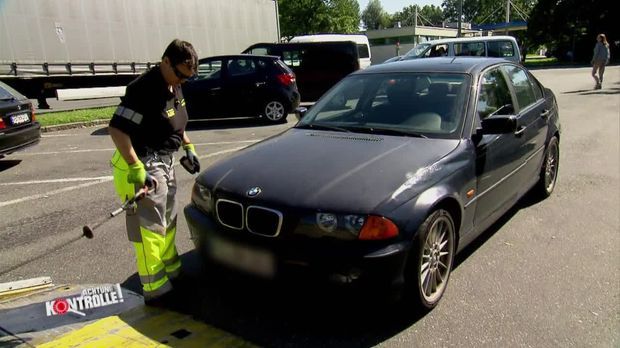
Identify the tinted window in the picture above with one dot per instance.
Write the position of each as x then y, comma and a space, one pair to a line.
209, 70
362, 51
500, 49
493, 94
292, 58
241, 67
522, 85
475, 49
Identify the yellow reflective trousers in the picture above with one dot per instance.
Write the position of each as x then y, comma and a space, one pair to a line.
151, 224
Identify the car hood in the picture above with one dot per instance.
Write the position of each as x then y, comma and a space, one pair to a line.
330, 170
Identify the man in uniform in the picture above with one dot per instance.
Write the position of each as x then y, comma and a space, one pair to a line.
147, 128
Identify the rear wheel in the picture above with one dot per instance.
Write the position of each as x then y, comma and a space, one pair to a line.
274, 111
431, 260
549, 169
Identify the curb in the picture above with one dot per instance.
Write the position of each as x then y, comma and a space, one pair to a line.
59, 127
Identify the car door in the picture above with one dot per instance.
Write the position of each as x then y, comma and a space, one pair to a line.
498, 156
203, 93
532, 125
240, 86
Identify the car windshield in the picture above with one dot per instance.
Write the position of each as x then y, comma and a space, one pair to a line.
417, 51
410, 104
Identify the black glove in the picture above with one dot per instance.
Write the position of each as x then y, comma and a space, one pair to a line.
190, 160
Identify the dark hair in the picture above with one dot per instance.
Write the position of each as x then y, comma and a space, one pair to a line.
179, 51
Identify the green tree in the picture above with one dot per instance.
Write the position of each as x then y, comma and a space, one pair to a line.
427, 15
299, 17
487, 11
374, 17
572, 25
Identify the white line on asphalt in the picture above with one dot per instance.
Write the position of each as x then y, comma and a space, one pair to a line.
97, 180
112, 149
55, 181
57, 135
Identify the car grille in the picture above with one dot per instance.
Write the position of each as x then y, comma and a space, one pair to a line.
256, 219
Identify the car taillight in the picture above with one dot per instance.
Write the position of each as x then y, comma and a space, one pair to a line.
286, 79
2, 124
33, 118
378, 227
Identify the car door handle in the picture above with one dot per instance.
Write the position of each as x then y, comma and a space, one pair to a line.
545, 113
519, 132
259, 84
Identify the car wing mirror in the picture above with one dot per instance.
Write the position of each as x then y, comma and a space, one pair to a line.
499, 124
300, 112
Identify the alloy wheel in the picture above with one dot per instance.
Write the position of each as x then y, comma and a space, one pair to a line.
274, 111
436, 263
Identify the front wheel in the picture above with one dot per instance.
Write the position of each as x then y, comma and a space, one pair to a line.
274, 111
549, 169
431, 260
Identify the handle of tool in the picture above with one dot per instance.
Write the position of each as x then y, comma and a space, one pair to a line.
118, 211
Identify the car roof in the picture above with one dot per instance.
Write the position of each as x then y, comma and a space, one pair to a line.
240, 56
469, 39
466, 65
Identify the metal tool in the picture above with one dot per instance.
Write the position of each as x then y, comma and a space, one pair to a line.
87, 231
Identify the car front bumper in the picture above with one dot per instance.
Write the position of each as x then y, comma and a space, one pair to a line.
13, 140
347, 264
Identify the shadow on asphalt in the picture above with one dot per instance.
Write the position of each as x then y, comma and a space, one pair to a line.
282, 315
608, 91
101, 131
8, 164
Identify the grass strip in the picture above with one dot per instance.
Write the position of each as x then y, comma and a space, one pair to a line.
84, 115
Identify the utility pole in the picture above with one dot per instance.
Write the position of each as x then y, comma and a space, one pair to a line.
415, 23
507, 16
458, 29
278, 21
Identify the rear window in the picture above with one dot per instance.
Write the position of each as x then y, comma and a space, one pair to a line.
6, 92
283, 66
362, 51
500, 49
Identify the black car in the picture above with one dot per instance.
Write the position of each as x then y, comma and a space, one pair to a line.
240, 86
386, 178
18, 126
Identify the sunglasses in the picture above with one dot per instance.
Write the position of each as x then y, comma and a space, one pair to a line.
180, 74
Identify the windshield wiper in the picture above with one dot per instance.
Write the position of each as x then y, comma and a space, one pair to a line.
322, 126
387, 131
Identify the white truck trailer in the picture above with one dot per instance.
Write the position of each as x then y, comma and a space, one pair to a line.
46, 45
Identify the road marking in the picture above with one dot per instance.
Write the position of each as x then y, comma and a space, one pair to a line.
57, 135
95, 181
112, 148
109, 177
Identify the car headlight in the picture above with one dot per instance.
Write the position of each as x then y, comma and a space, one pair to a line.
349, 226
202, 197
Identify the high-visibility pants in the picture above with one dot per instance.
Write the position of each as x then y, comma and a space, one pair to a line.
151, 224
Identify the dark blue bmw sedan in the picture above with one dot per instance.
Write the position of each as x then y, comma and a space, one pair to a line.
390, 174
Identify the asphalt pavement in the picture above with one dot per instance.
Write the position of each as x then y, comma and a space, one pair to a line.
547, 274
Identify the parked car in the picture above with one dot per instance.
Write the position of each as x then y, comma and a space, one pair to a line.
241, 85
386, 178
502, 46
18, 125
318, 66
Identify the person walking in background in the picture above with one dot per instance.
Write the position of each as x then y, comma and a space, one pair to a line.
147, 128
600, 59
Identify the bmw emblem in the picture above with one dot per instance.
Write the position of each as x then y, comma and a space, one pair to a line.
254, 191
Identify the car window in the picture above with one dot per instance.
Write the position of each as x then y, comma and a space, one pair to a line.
438, 51
209, 70
475, 49
429, 103
493, 94
292, 58
500, 49
522, 85
241, 67
417, 51
362, 51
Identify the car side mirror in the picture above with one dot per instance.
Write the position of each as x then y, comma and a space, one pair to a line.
499, 124
300, 112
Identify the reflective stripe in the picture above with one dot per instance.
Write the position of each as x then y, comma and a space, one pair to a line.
172, 261
147, 279
157, 292
174, 274
129, 114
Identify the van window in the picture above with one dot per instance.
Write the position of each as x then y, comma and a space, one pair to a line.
292, 58
500, 49
362, 51
475, 49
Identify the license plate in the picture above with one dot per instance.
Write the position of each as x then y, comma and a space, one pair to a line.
19, 119
248, 259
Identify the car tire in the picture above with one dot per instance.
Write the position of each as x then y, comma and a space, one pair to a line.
274, 111
430, 261
549, 169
